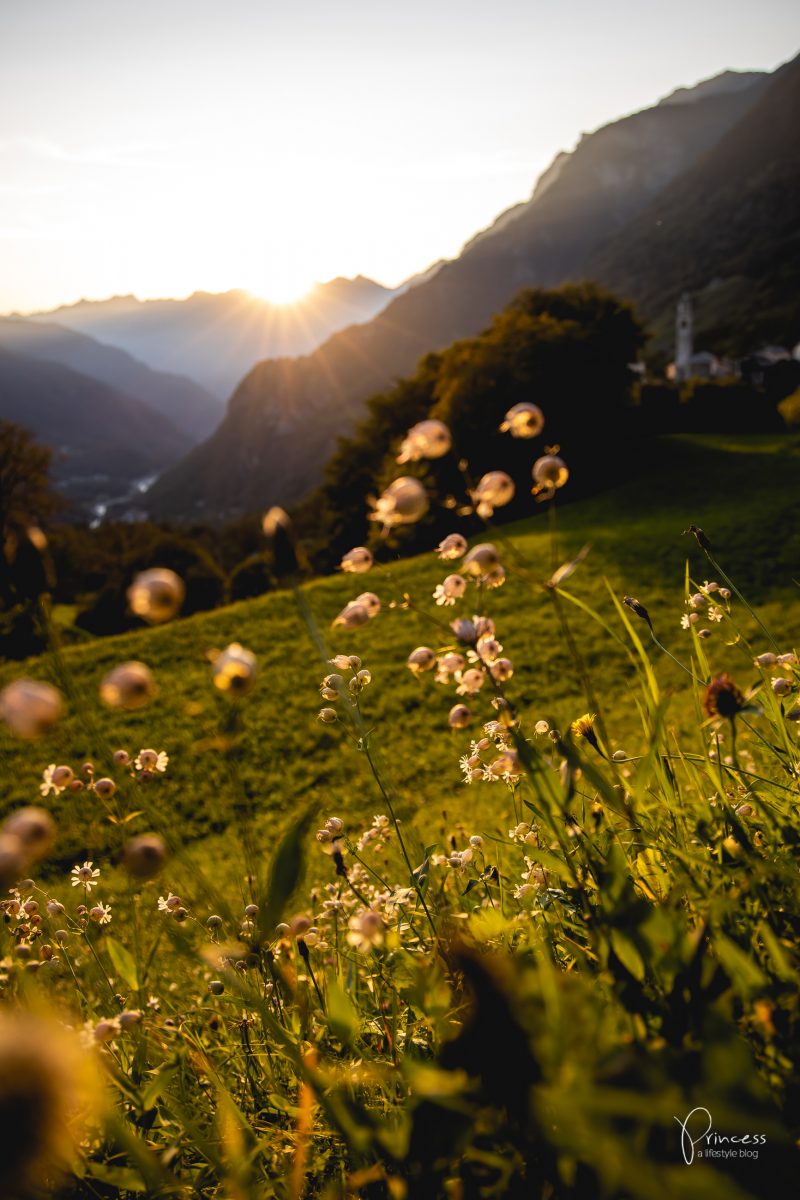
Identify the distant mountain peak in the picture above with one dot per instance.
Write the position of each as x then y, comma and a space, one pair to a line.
717, 85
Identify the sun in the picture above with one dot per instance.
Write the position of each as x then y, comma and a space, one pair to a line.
282, 286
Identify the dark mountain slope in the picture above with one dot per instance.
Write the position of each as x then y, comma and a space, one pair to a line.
187, 405
727, 230
283, 419
104, 439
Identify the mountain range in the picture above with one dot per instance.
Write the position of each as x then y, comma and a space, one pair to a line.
104, 439
215, 338
699, 192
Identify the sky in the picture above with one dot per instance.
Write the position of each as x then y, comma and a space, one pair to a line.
167, 146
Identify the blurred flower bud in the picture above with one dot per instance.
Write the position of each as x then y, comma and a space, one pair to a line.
481, 559
402, 503
129, 686
549, 473
421, 659
453, 546
459, 716
352, 616
30, 708
356, 561
234, 670
427, 439
35, 829
105, 788
370, 602
156, 595
492, 491
144, 856
523, 421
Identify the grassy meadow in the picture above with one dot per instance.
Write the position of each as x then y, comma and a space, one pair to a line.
513, 988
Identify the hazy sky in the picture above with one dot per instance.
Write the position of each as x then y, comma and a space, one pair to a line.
164, 146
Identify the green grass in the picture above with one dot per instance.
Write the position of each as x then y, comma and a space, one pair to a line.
745, 492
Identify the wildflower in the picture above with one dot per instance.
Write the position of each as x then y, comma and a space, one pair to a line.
549, 473
34, 828
171, 904
502, 669
469, 682
698, 600
29, 708
704, 633
342, 662
403, 502
725, 593
766, 660
723, 698
481, 559
450, 590
130, 686
493, 490
129, 1019
459, 716
234, 670
584, 727
121, 758
144, 856
327, 716
465, 630
359, 681
106, 1030
541, 728
780, 686
56, 780
54, 908
523, 421
421, 659
787, 660
365, 930
356, 561
370, 602
453, 546
152, 760
105, 788
101, 914
427, 439
689, 619
352, 616
449, 664
85, 876
156, 595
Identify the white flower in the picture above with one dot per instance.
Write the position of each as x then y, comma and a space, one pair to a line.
766, 660
451, 590
365, 930
152, 760
714, 613
47, 786
689, 619
85, 876
403, 502
698, 600
101, 913
780, 686
170, 904
469, 682
421, 659
481, 560
541, 728
710, 586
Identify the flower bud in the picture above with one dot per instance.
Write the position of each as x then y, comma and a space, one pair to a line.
356, 561
427, 439
421, 659
129, 686
234, 671
30, 708
459, 716
403, 502
523, 421
144, 856
156, 595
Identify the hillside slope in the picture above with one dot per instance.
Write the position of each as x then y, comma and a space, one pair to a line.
187, 405
744, 492
283, 419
